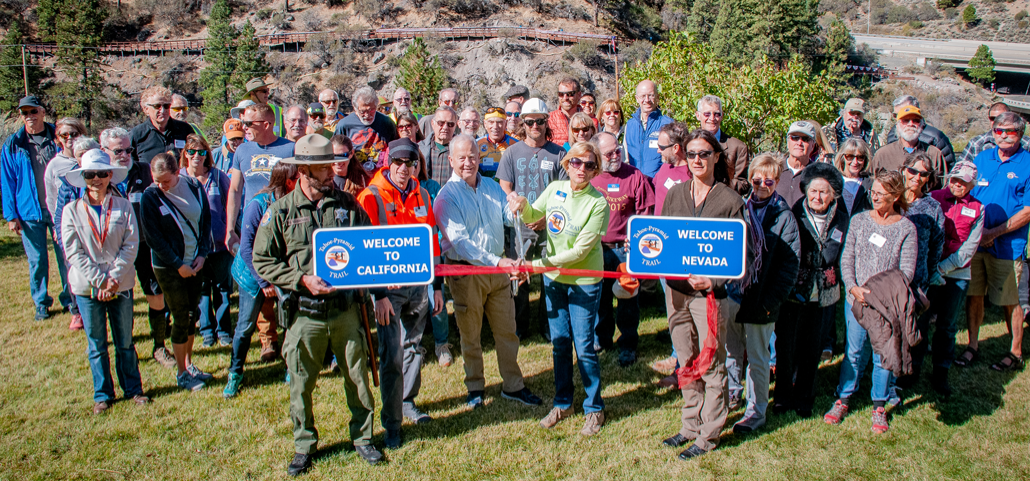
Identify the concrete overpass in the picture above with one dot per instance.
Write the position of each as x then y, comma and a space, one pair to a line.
1010, 57
1019, 104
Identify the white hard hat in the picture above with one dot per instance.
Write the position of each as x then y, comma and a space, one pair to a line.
534, 106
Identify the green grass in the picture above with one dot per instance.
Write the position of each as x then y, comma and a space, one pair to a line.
48, 431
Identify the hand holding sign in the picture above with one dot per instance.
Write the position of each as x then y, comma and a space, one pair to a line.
316, 285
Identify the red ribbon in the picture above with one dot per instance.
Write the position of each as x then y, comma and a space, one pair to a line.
688, 374
446, 270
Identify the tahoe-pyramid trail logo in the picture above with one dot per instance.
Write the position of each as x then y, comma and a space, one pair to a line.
650, 246
337, 258
556, 223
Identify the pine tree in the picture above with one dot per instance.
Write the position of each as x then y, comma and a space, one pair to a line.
969, 15
747, 30
422, 75
981, 66
839, 44
703, 16
250, 59
216, 79
78, 26
730, 37
12, 82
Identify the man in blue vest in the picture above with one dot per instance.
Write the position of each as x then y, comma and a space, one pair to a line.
642, 130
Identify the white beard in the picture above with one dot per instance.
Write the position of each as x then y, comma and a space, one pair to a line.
910, 134
366, 124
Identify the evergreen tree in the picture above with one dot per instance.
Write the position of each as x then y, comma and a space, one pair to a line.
703, 16
731, 37
969, 15
981, 66
745, 31
839, 44
216, 79
422, 75
12, 81
78, 26
250, 59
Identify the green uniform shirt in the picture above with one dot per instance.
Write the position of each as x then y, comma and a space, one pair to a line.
282, 245
575, 223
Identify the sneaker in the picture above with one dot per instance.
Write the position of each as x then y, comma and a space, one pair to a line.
474, 399
735, 402
443, 355
665, 366
827, 355
555, 416
164, 358
100, 407
414, 414
197, 373
301, 464
523, 396
224, 342
676, 440
627, 358
334, 367
42, 313
141, 400
188, 382
880, 424
267, 352
593, 423
748, 425
76, 324
692, 452
369, 453
209, 342
836, 413
232, 385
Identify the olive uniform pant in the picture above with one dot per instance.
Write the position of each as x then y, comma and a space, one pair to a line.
304, 350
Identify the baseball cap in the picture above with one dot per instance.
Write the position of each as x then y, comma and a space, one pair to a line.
908, 111
855, 105
316, 108
233, 129
29, 101
403, 149
803, 128
963, 170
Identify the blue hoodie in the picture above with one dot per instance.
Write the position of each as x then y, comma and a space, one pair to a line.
642, 143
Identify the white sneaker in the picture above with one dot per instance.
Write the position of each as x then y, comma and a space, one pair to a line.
443, 355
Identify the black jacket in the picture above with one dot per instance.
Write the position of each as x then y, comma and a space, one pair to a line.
818, 278
933, 136
862, 200
148, 142
780, 260
162, 232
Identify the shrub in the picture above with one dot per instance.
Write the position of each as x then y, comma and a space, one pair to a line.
263, 14
915, 24
1023, 24
587, 54
1021, 15
951, 13
946, 4
925, 12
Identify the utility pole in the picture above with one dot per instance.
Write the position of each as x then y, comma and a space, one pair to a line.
869, 16
24, 71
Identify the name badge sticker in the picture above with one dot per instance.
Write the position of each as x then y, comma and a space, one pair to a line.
669, 183
420, 211
652, 144
837, 235
165, 211
560, 196
982, 183
613, 187
546, 165
180, 144
877, 240
966, 211
135, 197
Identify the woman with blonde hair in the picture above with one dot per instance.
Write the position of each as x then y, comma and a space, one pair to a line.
852, 160
611, 118
823, 151
581, 129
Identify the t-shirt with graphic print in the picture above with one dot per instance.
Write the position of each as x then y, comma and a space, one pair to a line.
255, 161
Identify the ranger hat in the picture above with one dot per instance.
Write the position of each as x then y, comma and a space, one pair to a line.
312, 149
254, 84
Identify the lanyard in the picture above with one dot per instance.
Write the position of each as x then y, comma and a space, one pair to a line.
99, 235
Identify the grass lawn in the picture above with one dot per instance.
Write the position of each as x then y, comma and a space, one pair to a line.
49, 432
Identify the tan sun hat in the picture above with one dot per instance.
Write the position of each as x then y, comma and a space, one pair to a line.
312, 149
254, 84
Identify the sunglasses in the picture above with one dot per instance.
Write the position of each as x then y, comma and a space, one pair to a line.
196, 152
853, 157
532, 122
567, 94
411, 163
27, 112
1004, 132
663, 147
614, 154
580, 130
611, 112
800, 138
580, 165
250, 123
496, 110
343, 156
121, 151
922, 173
704, 154
406, 126
512, 114
263, 91
910, 120
100, 174
167, 106
68, 135
331, 102
441, 123
587, 102
179, 109
317, 116
765, 182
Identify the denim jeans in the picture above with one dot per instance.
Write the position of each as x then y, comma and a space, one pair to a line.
440, 323
856, 357
571, 311
33, 238
95, 317
626, 317
214, 297
945, 301
250, 307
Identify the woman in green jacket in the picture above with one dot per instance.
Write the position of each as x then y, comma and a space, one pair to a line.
577, 216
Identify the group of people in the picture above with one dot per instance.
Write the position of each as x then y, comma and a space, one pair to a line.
892, 220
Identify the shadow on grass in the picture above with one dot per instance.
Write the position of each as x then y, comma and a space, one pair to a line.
11, 246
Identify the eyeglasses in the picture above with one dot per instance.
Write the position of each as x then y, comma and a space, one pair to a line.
28, 112
121, 151
160, 106
196, 152
580, 165
760, 182
68, 135
513, 114
442, 124
717, 115
614, 154
410, 163
250, 123
704, 154
330, 102
910, 120
567, 94
878, 195
179, 109
922, 173
406, 127
1000, 132
398, 100
100, 174
612, 112
854, 157
800, 138
532, 122
580, 130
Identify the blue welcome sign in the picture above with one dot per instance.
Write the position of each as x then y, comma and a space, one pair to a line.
376, 256
682, 246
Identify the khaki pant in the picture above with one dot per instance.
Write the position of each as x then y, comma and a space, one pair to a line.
474, 295
705, 400
267, 326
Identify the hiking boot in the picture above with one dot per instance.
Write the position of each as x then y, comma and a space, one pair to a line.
76, 324
414, 414
393, 438
555, 416
593, 423
665, 366
369, 453
100, 407
188, 382
197, 373
836, 413
267, 352
627, 358
141, 400
42, 313
232, 385
524, 396
880, 424
443, 355
164, 358
474, 399
301, 464
676, 440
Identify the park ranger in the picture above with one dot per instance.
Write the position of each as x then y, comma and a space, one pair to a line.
318, 315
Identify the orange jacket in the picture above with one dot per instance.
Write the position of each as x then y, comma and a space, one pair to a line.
418, 209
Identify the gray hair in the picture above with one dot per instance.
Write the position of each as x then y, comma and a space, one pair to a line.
469, 109
180, 97
462, 139
709, 100
400, 90
335, 95
453, 91
303, 110
114, 133
1010, 118
84, 144
446, 109
365, 95
905, 100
